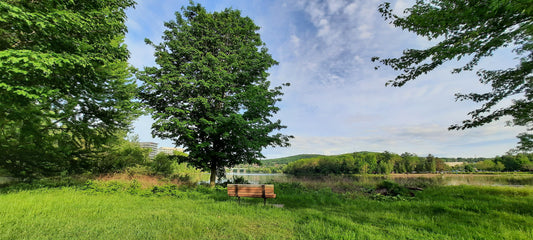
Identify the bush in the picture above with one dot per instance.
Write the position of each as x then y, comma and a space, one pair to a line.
162, 164
469, 168
185, 173
391, 188
121, 155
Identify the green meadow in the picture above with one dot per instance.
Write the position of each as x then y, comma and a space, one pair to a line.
126, 210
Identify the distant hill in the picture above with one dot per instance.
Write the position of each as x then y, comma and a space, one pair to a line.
286, 160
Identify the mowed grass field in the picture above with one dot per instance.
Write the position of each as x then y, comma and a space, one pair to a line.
125, 211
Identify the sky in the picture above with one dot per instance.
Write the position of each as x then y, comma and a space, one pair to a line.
337, 102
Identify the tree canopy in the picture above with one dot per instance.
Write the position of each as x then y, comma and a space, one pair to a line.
474, 30
209, 92
65, 85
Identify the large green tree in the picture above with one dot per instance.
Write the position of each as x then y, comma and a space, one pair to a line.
474, 30
210, 93
65, 85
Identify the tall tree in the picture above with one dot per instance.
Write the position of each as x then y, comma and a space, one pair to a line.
474, 29
64, 81
210, 92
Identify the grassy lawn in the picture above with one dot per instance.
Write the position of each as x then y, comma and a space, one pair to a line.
116, 211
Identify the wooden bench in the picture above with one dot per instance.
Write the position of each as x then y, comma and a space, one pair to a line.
251, 190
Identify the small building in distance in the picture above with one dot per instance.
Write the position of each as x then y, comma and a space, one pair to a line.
150, 145
169, 150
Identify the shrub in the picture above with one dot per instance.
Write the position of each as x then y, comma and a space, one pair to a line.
391, 188
162, 164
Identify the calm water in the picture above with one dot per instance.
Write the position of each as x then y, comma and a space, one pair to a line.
441, 179
257, 178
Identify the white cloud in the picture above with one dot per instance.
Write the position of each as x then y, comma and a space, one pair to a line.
337, 102
401, 5
351, 8
295, 41
335, 5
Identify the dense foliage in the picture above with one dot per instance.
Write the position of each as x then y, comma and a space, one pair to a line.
519, 162
364, 163
209, 92
165, 164
65, 85
474, 30
118, 155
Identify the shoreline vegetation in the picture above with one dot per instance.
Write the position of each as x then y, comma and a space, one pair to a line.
386, 163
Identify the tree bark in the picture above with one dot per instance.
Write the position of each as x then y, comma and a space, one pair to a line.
213, 178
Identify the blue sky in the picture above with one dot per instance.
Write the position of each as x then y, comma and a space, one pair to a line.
337, 103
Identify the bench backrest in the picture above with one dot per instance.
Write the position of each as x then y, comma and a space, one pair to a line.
251, 190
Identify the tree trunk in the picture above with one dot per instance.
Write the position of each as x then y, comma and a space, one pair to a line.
213, 178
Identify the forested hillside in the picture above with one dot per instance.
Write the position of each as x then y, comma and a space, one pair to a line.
287, 160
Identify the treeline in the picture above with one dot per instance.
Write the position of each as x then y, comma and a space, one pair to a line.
365, 163
286, 160
386, 163
507, 163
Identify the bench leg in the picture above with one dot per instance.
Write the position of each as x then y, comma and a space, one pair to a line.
239, 199
265, 202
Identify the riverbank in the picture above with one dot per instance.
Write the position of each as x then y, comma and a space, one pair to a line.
413, 180
118, 211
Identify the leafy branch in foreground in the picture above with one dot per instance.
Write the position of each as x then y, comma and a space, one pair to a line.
474, 30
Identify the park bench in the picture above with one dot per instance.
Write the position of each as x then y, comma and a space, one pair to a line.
251, 190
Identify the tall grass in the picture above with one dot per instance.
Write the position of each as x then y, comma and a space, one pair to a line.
125, 210
351, 182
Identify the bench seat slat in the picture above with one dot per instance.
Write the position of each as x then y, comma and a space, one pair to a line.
249, 193
251, 190
254, 195
250, 185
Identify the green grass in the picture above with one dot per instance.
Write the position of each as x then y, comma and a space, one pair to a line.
124, 211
